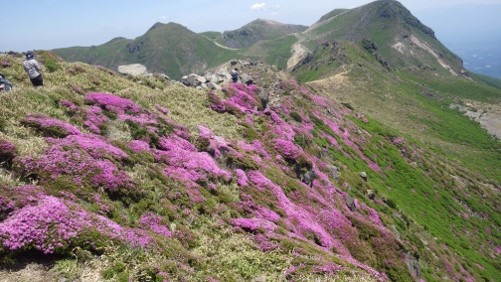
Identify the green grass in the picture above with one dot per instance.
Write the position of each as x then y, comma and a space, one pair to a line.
274, 52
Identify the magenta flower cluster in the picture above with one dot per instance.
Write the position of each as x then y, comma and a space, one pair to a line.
156, 224
241, 99
70, 106
7, 150
254, 224
287, 149
95, 119
112, 103
243, 96
50, 126
81, 157
139, 146
46, 226
50, 224
96, 146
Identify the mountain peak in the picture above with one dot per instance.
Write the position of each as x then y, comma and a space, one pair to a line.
265, 21
393, 9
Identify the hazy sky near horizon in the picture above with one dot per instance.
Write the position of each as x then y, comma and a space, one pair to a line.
49, 24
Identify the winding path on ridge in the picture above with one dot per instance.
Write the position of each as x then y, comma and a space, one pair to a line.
298, 50
220, 45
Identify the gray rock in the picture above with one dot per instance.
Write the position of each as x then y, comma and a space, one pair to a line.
371, 194
224, 75
210, 77
213, 86
350, 202
261, 278
192, 80
363, 174
247, 79
413, 266
334, 171
308, 177
133, 69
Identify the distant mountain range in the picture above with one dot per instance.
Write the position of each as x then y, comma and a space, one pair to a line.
384, 28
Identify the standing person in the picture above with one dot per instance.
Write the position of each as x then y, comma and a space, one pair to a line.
33, 68
234, 75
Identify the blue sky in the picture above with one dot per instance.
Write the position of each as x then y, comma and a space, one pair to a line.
47, 24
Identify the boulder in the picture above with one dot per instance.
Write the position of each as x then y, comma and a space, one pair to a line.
247, 79
224, 75
371, 194
334, 171
133, 69
210, 77
350, 202
363, 175
413, 266
213, 86
193, 80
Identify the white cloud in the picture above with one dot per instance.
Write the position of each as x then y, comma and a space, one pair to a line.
258, 6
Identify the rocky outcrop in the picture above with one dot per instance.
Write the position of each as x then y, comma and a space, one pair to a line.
215, 79
133, 69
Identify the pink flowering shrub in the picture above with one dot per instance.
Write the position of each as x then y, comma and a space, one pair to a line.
174, 142
242, 179
47, 226
188, 166
13, 198
162, 109
178, 129
243, 96
287, 149
69, 106
112, 103
254, 224
216, 103
53, 225
92, 144
280, 128
139, 146
141, 119
7, 151
155, 223
95, 119
79, 158
50, 126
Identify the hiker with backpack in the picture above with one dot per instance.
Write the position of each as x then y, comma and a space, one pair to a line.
33, 68
5, 85
234, 75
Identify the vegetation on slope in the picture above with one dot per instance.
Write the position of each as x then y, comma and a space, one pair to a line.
181, 184
258, 30
166, 48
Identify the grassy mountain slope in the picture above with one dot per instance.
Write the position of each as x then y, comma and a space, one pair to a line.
359, 64
166, 48
259, 198
390, 32
256, 31
274, 51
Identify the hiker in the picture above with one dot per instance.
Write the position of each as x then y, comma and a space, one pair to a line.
34, 70
234, 75
5, 85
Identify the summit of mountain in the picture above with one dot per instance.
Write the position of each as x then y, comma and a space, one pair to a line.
167, 48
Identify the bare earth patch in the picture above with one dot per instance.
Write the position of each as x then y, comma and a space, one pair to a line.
32, 272
488, 115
